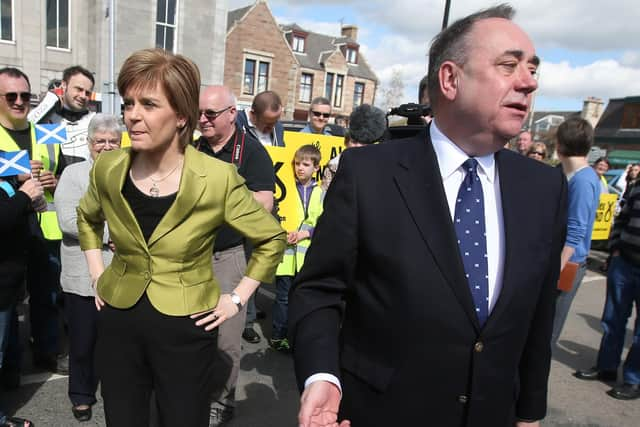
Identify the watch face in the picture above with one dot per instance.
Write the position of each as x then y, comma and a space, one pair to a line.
235, 299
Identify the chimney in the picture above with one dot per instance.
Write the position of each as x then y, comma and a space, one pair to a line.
350, 31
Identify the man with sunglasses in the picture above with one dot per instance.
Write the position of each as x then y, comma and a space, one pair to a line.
319, 114
43, 269
72, 109
223, 138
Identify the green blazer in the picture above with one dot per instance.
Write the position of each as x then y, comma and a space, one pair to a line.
174, 267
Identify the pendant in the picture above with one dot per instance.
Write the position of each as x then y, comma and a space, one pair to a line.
154, 191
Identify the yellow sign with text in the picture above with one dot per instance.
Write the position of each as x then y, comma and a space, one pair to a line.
282, 157
604, 217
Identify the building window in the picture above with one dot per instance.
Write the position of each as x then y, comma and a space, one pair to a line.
352, 55
256, 76
166, 24
328, 86
358, 94
298, 44
263, 76
57, 23
6, 20
333, 85
337, 102
306, 87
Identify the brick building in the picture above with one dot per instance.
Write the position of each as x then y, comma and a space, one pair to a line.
258, 56
297, 64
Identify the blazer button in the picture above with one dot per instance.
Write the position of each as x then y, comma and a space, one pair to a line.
462, 399
147, 275
478, 347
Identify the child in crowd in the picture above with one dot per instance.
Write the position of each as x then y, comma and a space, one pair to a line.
306, 164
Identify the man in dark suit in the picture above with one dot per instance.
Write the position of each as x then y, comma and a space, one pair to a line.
426, 297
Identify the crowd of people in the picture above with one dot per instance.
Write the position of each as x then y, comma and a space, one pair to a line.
150, 256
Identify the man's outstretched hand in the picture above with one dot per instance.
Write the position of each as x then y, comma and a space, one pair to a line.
319, 406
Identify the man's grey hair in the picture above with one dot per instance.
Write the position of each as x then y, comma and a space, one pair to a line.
320, 100
102, 122
452, 44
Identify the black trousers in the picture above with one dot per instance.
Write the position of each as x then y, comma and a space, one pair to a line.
140, 350
81, 318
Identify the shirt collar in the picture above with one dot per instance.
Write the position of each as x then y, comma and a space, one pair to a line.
451, 157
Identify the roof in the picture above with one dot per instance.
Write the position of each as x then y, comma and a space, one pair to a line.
318, 47
236, 15
608, 129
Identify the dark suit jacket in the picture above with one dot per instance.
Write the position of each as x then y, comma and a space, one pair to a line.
410, 350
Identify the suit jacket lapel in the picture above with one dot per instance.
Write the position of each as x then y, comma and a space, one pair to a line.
192, 186
420, 183
119, 171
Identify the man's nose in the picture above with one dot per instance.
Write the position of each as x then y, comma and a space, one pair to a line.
527, 81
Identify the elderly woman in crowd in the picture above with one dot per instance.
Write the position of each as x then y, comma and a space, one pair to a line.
160, 304
538, 151
17, 220
103, 135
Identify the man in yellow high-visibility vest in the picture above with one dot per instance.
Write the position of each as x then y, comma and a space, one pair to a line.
43, 268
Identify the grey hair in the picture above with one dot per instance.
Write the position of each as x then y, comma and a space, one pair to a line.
452, 44
102, 122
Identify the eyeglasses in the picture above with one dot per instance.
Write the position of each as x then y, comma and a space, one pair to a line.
104, 142
318, 114
213, 114
11, 97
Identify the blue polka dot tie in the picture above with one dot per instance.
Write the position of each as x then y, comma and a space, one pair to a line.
472, 240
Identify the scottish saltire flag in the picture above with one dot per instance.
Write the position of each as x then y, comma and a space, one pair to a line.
55, 133
14, 163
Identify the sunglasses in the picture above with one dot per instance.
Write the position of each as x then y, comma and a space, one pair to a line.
318, 114
11, 97
213, 114
539, 153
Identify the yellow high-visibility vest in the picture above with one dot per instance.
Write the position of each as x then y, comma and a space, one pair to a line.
294, 254
48, 154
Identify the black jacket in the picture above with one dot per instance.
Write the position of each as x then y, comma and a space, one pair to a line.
15, 234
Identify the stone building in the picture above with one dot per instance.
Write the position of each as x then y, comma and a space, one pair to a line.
42, 37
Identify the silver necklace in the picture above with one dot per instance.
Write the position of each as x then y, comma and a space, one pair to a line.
154, 191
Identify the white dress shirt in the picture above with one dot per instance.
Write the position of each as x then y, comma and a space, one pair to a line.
450, 159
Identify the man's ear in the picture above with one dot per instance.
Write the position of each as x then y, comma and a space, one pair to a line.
448, 76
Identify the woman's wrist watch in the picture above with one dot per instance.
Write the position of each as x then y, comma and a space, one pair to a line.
235, 298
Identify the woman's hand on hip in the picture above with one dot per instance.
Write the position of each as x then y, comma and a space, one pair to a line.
211, 319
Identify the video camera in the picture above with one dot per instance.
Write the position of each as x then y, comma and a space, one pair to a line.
415, 122
413, 112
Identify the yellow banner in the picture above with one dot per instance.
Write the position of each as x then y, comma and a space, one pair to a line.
604, 217
286, 194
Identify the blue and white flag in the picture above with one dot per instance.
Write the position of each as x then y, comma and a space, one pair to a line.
14, 163
55, 133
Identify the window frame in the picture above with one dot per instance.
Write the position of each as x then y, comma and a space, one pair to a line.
57, 46
339, 90
13, 24
328, 88
166, 25
352, 52
257, 75
298, 43
357, 93
304, 85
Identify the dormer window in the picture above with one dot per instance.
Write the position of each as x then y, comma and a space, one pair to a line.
298, 44
352, 55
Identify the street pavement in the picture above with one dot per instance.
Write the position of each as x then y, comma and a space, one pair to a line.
267, 394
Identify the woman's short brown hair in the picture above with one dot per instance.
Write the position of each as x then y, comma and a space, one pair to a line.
177, 75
